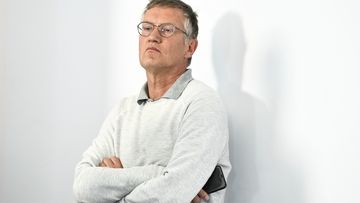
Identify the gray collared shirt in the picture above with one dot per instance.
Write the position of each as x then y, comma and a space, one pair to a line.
173, 93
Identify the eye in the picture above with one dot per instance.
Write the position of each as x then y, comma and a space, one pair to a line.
146, 27
167, 29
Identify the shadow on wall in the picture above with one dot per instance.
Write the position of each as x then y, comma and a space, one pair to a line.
258, 173
228, 57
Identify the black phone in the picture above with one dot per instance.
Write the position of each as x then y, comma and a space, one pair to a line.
216, 181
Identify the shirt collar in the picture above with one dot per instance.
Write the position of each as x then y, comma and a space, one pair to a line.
173, 93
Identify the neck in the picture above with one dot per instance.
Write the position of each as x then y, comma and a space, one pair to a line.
159, 83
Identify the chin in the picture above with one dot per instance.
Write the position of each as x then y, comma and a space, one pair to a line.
150, 67
150, 63
153, 68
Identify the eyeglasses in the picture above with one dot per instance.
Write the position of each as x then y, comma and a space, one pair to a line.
165, 30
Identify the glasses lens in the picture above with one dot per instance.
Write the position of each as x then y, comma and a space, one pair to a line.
166, 30
145, 29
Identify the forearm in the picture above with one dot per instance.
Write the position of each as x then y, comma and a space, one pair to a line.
177, 184
200, 145
184, 176
99, 184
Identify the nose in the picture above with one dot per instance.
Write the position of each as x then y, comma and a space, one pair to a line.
154, 36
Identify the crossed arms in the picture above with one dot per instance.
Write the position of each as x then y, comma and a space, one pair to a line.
115, 162
100, 177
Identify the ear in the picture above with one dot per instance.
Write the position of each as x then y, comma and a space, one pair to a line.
191, 47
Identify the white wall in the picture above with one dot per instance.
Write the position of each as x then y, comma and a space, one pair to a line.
54, 76
2, 16
287, 70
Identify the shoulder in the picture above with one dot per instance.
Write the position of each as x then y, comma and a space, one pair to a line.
124, 105
127, 103
201, 97
197, 90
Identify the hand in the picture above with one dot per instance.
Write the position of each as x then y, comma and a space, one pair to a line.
112, 162
201, 195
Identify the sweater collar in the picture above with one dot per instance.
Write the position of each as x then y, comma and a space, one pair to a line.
173, 92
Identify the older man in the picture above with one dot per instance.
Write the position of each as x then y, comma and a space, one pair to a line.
162, 145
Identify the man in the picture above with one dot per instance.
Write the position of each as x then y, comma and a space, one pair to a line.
162, 145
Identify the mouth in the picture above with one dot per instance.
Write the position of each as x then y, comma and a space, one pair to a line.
153, 49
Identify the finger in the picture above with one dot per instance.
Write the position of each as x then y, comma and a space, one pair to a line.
196, 199
102, 164
116, 161
108, 163
203, 195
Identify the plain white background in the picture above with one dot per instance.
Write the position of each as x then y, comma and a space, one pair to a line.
287, 71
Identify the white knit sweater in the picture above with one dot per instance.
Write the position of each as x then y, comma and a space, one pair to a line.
168, 148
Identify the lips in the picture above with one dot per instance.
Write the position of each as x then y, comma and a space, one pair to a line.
153, 49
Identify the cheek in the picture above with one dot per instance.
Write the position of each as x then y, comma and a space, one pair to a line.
142, 48
141, 45
178, 50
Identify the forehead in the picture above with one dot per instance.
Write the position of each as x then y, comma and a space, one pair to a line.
160, 15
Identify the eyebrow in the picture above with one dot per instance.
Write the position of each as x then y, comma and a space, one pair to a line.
158, 24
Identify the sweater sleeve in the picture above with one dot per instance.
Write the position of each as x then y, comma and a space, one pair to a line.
100, 184
199, 146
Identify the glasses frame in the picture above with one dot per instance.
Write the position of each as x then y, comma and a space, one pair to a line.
159, 29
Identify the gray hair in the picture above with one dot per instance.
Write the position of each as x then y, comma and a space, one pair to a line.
191, 22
